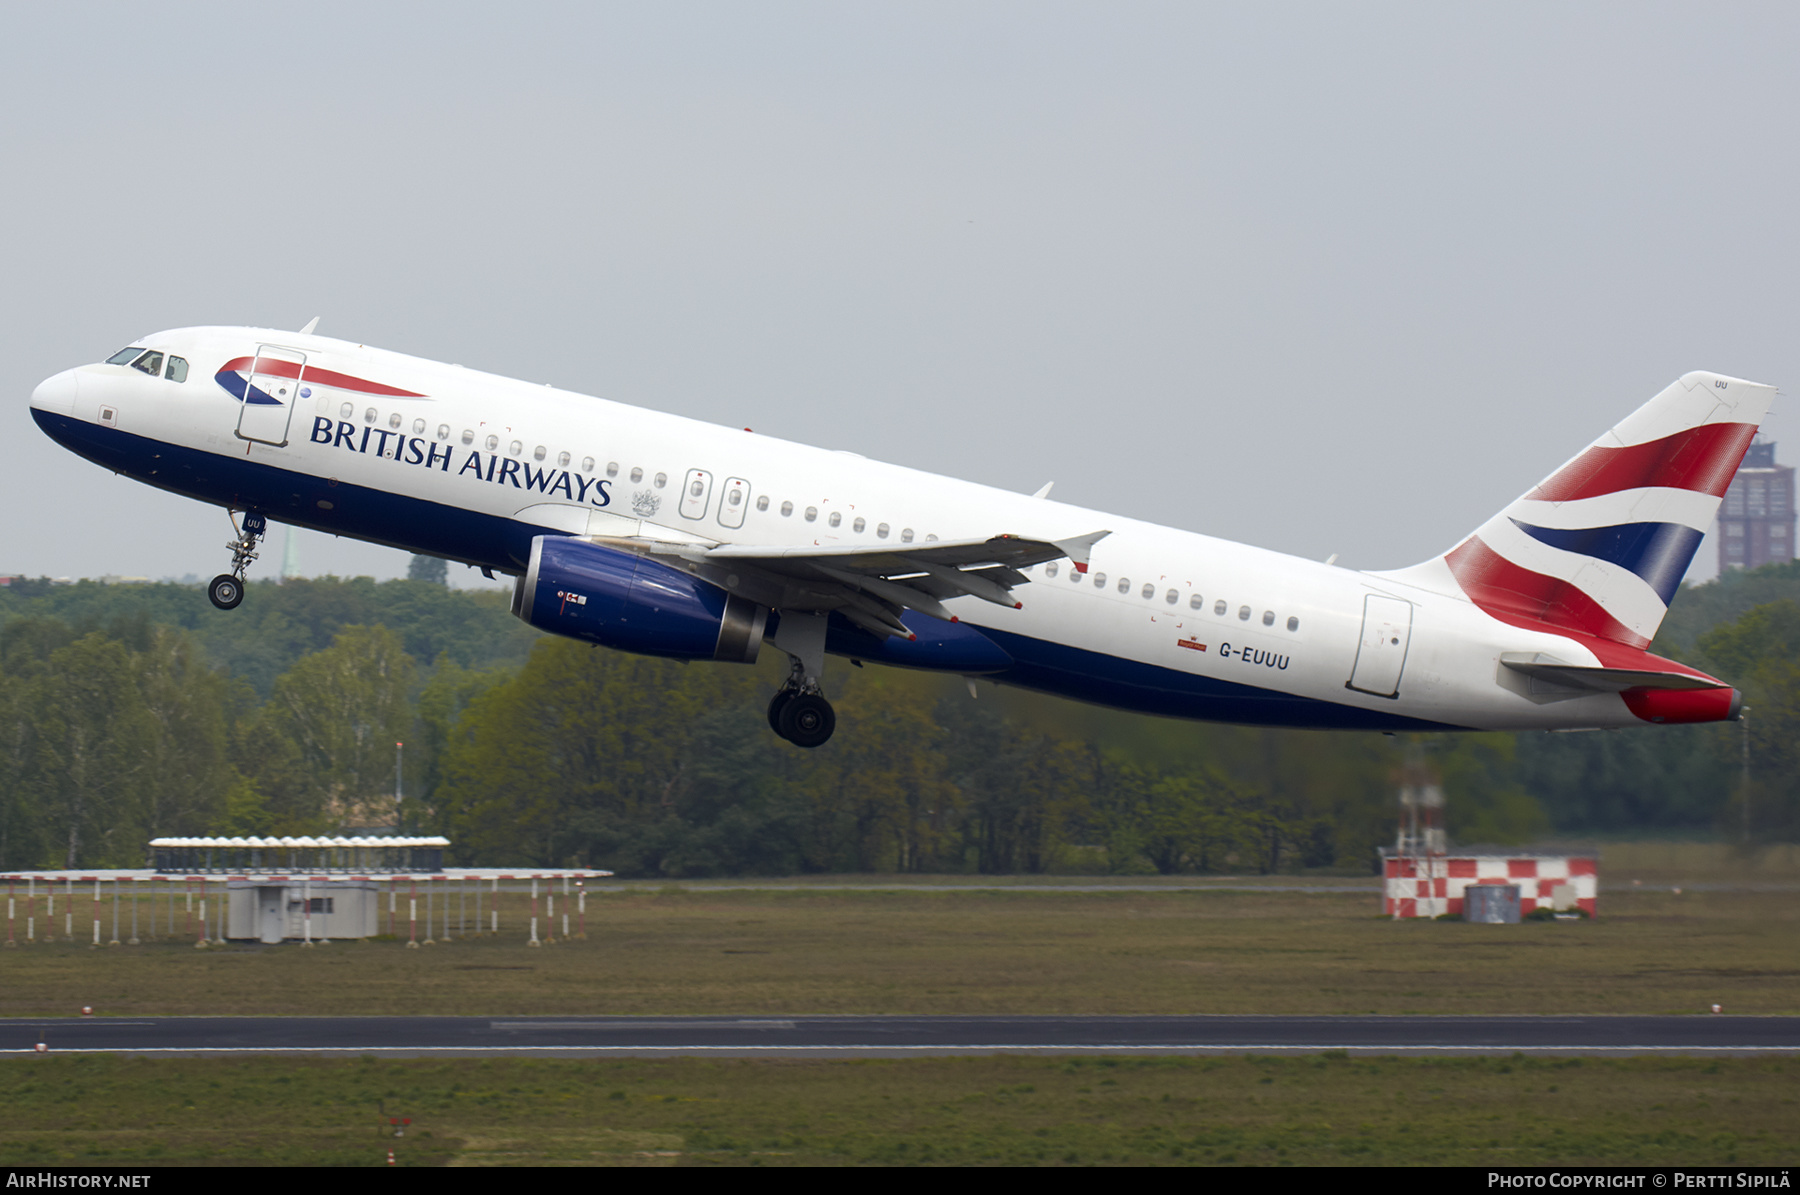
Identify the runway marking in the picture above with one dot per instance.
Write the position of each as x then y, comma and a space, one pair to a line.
640, 1024
891, 1048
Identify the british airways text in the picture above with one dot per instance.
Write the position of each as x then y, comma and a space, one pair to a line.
489, 467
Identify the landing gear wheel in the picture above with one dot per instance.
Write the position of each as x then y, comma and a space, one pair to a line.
226, 591
807, 720
778, 703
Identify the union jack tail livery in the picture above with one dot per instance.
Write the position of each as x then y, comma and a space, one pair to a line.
1600, 546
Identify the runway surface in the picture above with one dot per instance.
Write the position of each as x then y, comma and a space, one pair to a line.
827, 1036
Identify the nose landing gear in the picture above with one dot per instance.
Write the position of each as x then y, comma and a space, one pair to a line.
227, 589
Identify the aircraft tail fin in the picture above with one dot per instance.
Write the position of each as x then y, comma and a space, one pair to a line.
1600, 546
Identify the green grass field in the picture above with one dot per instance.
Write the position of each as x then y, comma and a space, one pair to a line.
1016, 951
675, 951
107, 1110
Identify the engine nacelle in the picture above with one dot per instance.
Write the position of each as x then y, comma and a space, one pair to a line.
585, 591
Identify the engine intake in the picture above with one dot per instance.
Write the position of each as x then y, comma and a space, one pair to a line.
602, 595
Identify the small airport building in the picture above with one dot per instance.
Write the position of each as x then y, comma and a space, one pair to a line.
1424, 884
219, 889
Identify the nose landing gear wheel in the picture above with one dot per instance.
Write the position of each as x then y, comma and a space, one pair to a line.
226, 591
806, 720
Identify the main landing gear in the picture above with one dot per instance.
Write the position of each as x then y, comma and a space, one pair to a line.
803, 719
227, 589
799, 712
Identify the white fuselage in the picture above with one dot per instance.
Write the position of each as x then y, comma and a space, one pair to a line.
1258, 636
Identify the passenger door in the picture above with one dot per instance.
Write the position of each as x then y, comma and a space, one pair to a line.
1381, 655
275, 378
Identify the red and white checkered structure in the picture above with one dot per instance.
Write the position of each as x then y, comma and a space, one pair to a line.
1432, 885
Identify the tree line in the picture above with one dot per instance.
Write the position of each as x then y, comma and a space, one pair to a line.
129, 712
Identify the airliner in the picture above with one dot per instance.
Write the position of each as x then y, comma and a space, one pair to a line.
653, 533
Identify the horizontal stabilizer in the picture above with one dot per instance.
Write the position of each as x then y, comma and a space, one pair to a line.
1601, 680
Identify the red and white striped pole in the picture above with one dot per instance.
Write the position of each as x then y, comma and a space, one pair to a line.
202, 941
534, 938
96, 912
11, 881
581, 905
412, 916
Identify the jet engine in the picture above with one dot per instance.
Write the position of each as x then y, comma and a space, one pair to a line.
602, 595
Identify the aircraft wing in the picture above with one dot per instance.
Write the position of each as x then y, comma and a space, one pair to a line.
871, 585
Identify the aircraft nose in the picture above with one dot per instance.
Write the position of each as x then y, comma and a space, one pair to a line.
56, 394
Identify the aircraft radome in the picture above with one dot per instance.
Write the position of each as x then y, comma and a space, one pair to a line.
658, 534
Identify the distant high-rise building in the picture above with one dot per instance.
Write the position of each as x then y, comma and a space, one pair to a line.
1756, 523
290, 557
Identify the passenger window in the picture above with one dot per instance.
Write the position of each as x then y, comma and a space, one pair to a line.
1293, 624
812, 514
1219, 607
124, 356
562, 460
612, 468
370, 415
468, 437
858, 526
515, 448
1150, 592
492, 443
1268, 618
443, 431
787, 508
637, 474
1171, 597
1196, 602
1099, 580
837, 516
418, 427
734, 496
881, 530
1050, 569
346, 411
1124, 584
1243, 614
906, 535
177, 369
662, 479
587, 464
150, 363
537, 454
930, 539
762, 502
394, 419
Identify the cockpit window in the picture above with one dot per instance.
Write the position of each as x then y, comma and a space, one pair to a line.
177, 369
124, 356
150, 363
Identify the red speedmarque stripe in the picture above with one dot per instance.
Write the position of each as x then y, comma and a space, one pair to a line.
324, 377
1702, 459
1501, 587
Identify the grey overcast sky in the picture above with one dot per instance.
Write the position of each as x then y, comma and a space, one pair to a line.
1325, 278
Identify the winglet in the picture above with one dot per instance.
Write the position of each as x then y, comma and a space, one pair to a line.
310, 325
1077, 549
1045, 492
